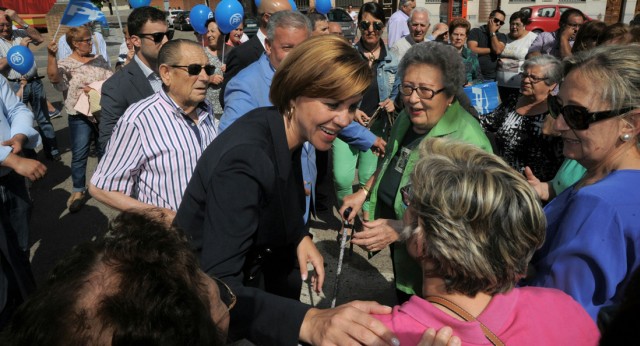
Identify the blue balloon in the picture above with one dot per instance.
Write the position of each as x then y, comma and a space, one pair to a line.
229, 14
294, 7
199, 16
139, 3
323, 6
20, 59
257, 3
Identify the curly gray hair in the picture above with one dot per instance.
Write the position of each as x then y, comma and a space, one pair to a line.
441, 56
551, 64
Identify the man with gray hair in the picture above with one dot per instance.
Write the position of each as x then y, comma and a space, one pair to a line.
157, 142
397, 25
418, 24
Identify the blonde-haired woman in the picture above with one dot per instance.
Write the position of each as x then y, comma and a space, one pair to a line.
72, 75
473, 224
245, 203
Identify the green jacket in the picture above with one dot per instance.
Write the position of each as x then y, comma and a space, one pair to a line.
457, 124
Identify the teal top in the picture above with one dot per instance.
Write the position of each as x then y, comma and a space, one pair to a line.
457, 124
568, 174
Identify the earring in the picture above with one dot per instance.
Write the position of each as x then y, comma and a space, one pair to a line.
626, 137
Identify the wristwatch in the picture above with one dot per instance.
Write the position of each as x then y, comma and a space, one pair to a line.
492, 34
25, 26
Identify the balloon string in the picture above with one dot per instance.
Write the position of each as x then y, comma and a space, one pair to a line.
223, 45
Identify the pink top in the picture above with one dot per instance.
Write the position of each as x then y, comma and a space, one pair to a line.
523, 316
76, 75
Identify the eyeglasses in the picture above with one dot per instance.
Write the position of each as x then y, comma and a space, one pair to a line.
377, 25
157, 37
195, 69
5, 25
85, 40
517, 25
498, 21
226, 294
423, 92
574, 25
407, 194
578, 117
533, 78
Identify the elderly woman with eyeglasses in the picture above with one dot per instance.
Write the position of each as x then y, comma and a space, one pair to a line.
473, 224
593, 231
72, 75
432, 75
519, 122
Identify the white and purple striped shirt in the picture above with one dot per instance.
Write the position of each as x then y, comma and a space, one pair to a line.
153, 151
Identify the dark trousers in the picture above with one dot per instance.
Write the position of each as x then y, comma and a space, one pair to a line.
16, 279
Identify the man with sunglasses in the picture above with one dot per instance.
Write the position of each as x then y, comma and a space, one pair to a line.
156, 144
559, 42
488, 43
148, 32
397, 25
250, 51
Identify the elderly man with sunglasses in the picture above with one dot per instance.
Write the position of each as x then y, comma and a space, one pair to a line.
156, 144
488, 43
140, 79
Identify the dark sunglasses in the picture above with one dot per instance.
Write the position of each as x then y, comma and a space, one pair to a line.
364, 25
226, 294
578, 117
195, 69
157, 37
498, 21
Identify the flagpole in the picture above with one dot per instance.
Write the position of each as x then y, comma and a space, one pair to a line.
56, 34
115, 2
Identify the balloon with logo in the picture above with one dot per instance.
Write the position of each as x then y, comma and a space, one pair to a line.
139, 3
199, 16
20, 59
229, 14
323, 6
294, 7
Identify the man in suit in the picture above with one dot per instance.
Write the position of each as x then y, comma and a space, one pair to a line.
250, 51
148, 31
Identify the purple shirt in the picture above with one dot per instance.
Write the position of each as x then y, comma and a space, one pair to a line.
153, 151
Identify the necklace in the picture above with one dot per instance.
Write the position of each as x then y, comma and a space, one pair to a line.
372, 56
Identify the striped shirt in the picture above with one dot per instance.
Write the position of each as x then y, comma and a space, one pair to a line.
154, 150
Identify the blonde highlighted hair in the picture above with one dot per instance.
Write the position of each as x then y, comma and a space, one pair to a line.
323, 66
478, 219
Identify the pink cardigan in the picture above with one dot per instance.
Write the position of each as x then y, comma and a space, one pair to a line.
523, 316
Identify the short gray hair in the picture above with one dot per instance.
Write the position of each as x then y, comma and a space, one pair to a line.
441, 56
552, 65
404, 2
171, 51
288, 19
416, 11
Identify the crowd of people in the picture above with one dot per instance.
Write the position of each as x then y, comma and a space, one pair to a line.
515, 226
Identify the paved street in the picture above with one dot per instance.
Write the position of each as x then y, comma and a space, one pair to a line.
54, 230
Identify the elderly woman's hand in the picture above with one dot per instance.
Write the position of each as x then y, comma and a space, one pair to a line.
441, 338
362, 118
541, 188
378, 147
353, 201
52, 48
378, 234
216, 79
388, 105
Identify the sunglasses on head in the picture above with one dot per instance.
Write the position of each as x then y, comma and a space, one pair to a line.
157, 37
195, 69
578, 117
377, 25
498, 21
